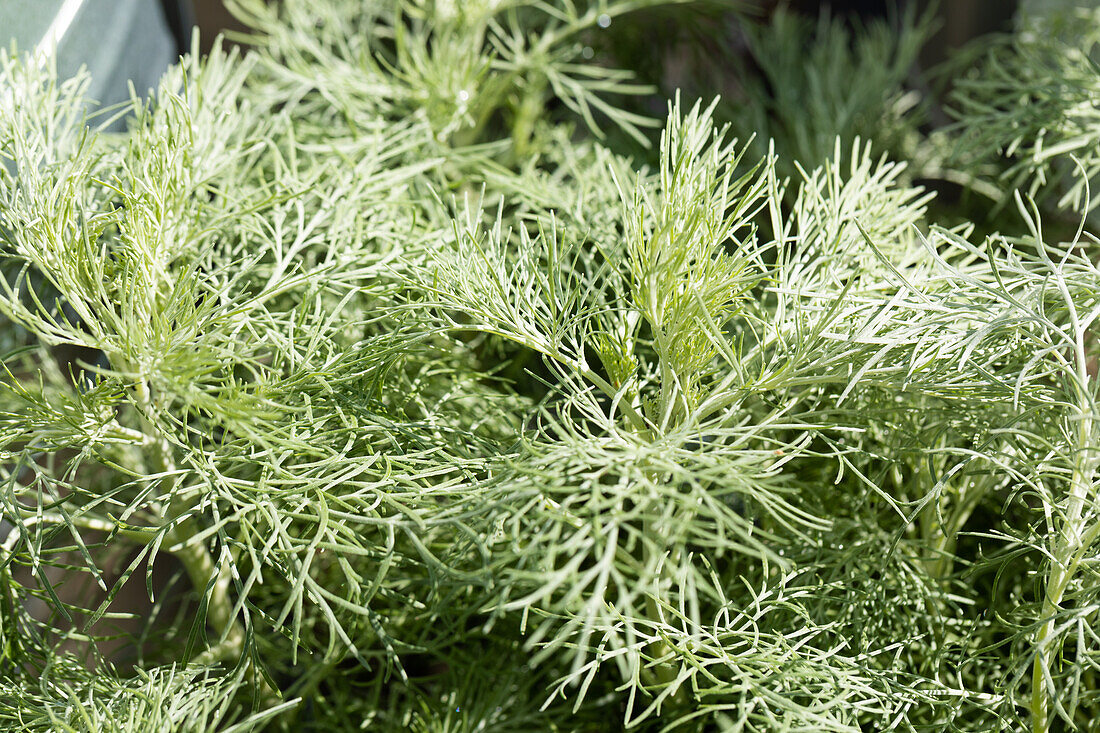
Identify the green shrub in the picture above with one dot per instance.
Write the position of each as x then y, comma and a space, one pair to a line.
380, 378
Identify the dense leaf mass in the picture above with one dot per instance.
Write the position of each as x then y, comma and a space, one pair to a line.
402, 372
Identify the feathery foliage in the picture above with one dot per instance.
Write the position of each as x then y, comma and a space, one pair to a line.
368, 381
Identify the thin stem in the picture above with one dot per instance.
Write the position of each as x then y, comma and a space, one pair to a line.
1067, 552
530, 109
201, 569
94, 524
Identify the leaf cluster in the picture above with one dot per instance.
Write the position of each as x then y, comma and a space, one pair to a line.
367, 381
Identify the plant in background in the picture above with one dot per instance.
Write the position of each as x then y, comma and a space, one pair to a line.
806, 82
367, 382
1029, 109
